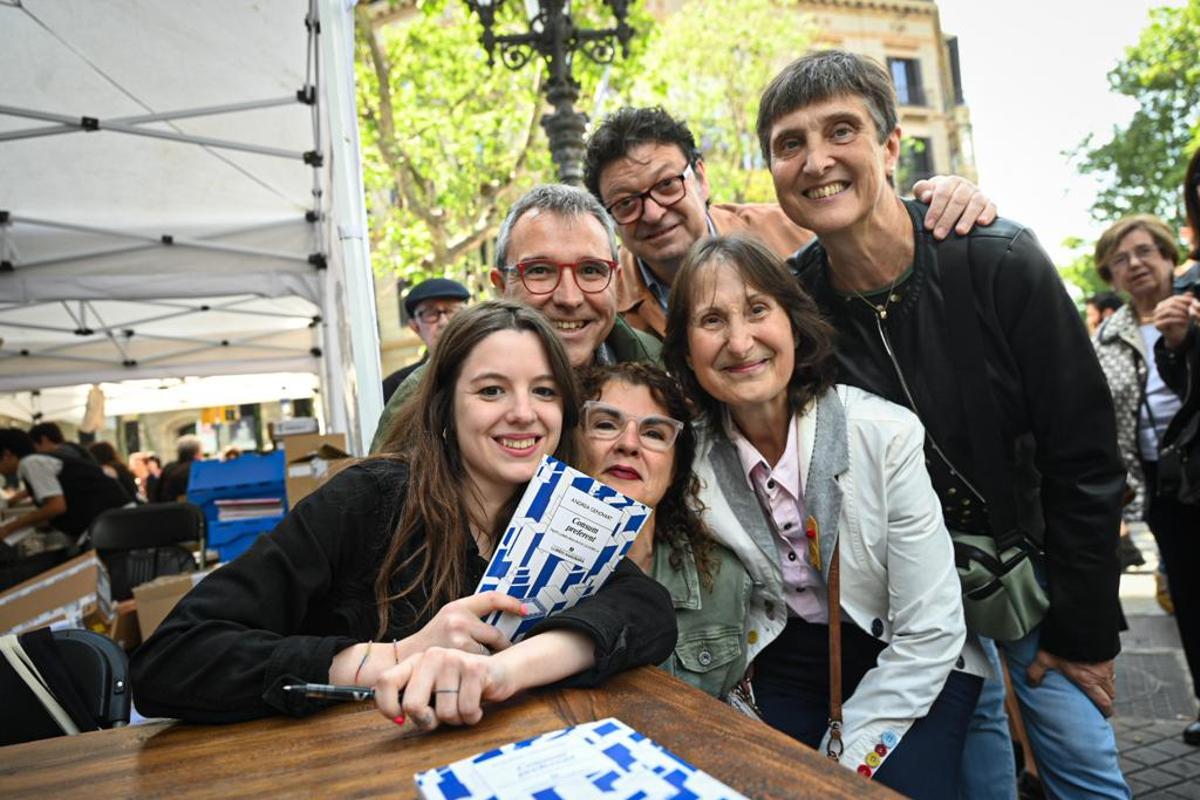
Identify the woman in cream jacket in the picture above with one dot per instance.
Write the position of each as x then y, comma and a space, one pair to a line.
751, 349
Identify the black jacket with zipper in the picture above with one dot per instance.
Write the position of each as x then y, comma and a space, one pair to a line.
1055, 413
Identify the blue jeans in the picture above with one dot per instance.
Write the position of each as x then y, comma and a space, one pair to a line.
1073, 744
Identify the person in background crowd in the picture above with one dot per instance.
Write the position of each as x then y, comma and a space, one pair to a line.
828, 129
368, 580
429, 306
557, 252
112, 465
69, 492
48, 438
1100, 307
635, 437
799, 475
154, 470
1176, 355
173, 482
644, 166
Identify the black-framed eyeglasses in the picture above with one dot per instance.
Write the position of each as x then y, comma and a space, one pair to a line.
542, 276
1122, 260
606, 422
667, 192
430, 316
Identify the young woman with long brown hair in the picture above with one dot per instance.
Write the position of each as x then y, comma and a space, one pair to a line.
367, 581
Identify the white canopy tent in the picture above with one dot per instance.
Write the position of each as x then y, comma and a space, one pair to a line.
181, 195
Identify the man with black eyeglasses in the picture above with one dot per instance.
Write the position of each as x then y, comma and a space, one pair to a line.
644, 167
429, 306
557, 252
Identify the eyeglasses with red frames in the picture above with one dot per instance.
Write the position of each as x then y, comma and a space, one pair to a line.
542, 276
667, 192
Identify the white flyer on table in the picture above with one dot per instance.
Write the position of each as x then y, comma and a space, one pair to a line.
563, 541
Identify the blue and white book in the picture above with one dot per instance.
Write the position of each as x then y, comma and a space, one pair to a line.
564, 540
605, 759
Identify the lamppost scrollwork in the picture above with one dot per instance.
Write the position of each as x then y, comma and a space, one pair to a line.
554, 35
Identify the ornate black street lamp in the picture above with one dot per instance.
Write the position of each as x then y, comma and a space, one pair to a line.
554, 36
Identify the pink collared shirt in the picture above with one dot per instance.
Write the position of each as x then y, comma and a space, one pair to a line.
781, 496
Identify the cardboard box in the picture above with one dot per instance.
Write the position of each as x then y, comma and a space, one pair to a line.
312, 460
156, 598
76, 592
124, 629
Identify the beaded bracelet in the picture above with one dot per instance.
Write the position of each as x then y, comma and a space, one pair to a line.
366, 654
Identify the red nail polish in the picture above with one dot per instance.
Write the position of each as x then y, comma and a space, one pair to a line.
398, 720
524, 610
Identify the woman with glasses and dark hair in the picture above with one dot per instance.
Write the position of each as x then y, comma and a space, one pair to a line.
636, 438
368, 580
821, 492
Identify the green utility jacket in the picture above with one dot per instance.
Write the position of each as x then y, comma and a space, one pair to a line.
626, 344
710, 652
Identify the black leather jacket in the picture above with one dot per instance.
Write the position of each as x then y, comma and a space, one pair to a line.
1056, 415
1180, 368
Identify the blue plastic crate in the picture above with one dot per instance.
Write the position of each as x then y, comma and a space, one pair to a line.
250, 476
231, 539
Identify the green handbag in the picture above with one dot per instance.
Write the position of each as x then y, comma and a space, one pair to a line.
1002, 597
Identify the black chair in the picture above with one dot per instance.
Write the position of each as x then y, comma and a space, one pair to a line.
84, 681
99, 669
139, 544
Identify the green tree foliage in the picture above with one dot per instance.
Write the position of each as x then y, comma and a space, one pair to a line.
1081, 272
449, 143
708, 63
1142, 166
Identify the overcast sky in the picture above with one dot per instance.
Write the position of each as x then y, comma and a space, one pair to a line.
1034, 77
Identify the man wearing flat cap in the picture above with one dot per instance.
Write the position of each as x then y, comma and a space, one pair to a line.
429, 305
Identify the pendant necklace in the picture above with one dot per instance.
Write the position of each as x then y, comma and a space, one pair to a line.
881, 309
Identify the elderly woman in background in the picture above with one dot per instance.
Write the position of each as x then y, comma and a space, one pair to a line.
1137, 255
806, 482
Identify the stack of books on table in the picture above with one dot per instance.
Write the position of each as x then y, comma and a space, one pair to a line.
248, 508
601, 759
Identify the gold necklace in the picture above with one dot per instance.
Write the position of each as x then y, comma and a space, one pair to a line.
881, 310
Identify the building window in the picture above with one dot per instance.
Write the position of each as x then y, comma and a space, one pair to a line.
955, 69
906, 74
916, 162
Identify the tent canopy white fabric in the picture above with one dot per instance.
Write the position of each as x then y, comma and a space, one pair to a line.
180, 195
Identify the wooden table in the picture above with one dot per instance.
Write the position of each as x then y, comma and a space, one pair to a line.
353, 751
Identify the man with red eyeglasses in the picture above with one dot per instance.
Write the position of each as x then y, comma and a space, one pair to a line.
557, 251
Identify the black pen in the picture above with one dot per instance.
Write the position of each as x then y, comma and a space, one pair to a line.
326, 691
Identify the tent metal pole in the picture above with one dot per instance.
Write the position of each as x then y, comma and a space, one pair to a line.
361, 376
115, 251
197, 244
208, 111
75, 125
7, 354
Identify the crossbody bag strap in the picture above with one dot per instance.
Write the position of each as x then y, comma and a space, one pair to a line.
835, 746
965, 340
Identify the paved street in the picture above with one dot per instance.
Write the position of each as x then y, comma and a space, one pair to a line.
1154, 693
